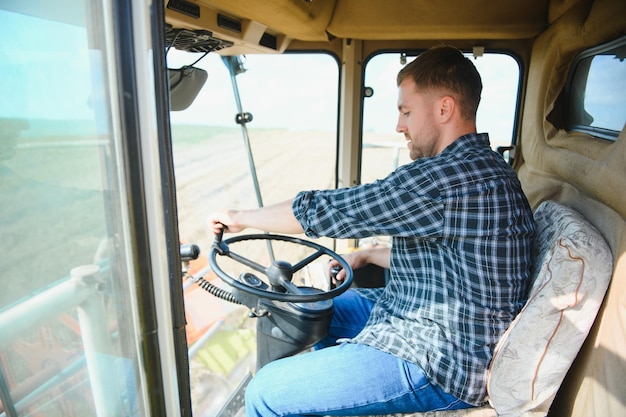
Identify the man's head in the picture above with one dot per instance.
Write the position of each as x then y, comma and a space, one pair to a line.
438, 95
445, 69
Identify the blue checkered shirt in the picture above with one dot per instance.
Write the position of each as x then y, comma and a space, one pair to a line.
460, 258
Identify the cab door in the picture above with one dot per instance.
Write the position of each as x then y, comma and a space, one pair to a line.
89, 240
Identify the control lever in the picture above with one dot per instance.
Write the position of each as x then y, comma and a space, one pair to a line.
333, 275
189, 252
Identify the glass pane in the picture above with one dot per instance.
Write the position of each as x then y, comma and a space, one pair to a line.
293, 100
67, 311
598, 96
384, 149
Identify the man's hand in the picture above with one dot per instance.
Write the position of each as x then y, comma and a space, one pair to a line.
224, 220
380, 256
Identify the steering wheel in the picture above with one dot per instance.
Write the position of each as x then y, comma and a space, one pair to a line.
279, 273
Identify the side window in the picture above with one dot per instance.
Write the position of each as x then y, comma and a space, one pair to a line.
384, 149
71, 335
597, 91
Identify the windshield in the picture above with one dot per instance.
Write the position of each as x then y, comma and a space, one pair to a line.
292, 104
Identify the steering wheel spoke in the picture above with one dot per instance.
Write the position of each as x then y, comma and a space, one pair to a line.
247, 262
292, 288
307, 260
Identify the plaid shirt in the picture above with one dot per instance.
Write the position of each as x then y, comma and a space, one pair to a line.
460, 259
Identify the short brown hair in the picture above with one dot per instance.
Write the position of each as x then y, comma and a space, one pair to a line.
446, 68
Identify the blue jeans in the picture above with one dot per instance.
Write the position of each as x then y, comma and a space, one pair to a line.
345, 379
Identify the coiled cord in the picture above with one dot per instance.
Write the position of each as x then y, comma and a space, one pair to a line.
216, 291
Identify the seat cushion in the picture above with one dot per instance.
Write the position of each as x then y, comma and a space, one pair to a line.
573, 266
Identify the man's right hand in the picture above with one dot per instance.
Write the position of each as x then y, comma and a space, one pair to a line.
224, 221
278, 218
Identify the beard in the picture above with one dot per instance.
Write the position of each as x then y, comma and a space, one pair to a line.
424, 144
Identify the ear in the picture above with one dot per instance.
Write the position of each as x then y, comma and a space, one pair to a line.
445, 108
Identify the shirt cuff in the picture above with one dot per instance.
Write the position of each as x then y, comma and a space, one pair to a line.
300, 206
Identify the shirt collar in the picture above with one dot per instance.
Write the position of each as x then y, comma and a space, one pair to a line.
465, 141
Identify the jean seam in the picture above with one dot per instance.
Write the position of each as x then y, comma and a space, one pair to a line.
428, 385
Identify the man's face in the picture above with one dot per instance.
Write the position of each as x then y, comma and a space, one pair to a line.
416, 120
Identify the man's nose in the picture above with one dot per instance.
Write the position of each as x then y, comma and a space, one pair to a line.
400, 127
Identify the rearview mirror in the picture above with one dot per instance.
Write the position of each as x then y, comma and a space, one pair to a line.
185, 84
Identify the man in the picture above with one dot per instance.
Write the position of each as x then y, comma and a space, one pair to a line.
459, 263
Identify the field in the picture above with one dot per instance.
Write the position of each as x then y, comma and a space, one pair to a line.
212, 170
213, 173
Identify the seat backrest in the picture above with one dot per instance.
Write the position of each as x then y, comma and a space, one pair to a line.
573, 267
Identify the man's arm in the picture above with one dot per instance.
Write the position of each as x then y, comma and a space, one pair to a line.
276, 218
380, 256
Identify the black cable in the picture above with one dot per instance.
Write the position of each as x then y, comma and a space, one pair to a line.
216, 291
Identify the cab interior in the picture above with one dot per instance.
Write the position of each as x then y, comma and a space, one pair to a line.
579, 168
93, 179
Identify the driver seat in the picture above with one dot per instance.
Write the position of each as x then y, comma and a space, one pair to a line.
572, 269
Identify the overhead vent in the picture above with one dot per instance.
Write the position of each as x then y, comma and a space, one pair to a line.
184, 7
269, 41
228, 23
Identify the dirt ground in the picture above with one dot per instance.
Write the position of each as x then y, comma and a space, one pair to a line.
214, 174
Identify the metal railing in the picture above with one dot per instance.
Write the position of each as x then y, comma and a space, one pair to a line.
81, 291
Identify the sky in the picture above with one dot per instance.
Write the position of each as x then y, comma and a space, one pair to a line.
54, 77
301, 92
286, 91
36, 51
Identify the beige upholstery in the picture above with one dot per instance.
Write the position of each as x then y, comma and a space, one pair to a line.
369, 19
587, 174
573, 269
573, 266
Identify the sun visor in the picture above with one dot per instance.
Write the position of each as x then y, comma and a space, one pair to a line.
185, 84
